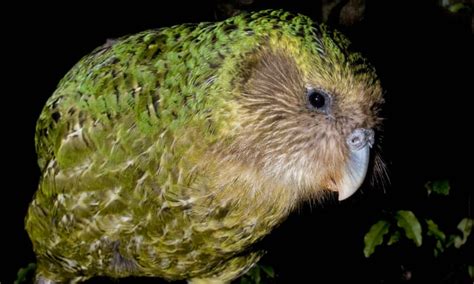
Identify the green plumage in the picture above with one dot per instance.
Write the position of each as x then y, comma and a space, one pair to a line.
128, 146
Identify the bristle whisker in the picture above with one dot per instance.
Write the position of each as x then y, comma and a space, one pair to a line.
380, 177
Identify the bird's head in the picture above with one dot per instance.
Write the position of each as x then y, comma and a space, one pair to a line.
306, 113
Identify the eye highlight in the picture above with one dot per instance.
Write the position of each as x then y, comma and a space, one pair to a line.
318, 100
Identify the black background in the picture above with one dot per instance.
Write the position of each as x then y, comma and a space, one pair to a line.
422, 54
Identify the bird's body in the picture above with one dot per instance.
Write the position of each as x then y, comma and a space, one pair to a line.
170, 152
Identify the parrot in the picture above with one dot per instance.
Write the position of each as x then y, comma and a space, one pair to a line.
171, 152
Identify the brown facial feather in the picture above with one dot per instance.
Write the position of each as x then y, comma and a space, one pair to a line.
280, 138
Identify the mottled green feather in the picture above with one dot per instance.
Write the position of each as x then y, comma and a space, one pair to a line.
128, 186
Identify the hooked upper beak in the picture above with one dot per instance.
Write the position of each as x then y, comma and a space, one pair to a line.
359, 143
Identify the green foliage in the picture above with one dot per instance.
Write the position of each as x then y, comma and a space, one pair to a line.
402, 225
410, 224
440, 236
434, 231
456, 6
268, 270
259, 274
374, 237
465, 226
25, 275
407, 220
440, 187
404, 219
394, 238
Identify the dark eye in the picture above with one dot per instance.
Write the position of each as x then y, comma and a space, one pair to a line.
318, 100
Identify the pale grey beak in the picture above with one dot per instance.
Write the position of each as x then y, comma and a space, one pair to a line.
359, 143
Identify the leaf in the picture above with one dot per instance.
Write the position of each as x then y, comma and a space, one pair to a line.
465, 226
451, 240
256, 274
25, 275
268, 270
439, 248
440, 237
457, 7
374, 236
394, 238
434, 231
252, 276
410, 224
440, 187
470, 269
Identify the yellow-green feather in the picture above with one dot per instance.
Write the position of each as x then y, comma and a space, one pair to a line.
127, 185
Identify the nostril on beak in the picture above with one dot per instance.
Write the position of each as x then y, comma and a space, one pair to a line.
359, 138
355, 140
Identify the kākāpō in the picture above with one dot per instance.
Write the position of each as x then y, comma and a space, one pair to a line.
170, 152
